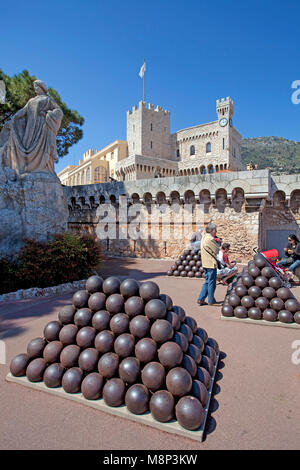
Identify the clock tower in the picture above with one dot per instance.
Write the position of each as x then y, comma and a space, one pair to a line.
225, 111
229, 138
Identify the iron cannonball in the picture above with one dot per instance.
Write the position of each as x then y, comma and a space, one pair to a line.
51, 330
198, 274
284, 293
268, 272
100, 320
277, 304
189, 413
240, 312
234, 300
129, 288
196, 258
255, 313
52, 352
187, 331
292, 305
104, 341
199, 342
214, 344
71, 381
66, 314
199, 263
181, 340
146, 350
254, 271
260, 261
67, 334
179, 311
192, 263
275, 282
88, 359
53, 375
115, 303
69, 356
80, 298
254, 291
92, 385
137, 399
297, 317
189, 364
241, 290
161, 331
186, 252
176, 273
139, 326
83, 317
119, 323
262, 303
269, 292
195, 353
85, 337
189, 258
173, 319
153, 376
270, 315
36, 347
108, 365
178, 262
207, 363
170, 273
285, 316
180, 268
97, 301
227, 310
188, 270
149, 290
173, 267
199, 391
261, 281
210, 352
191, 322
134, 306
35, 370
178, 381
155, 309
111, 285
162, 406
19, 365
124, 345
247, 301
170, 354
114, 392
185, 263
248, 280
181, 258
129, 370
195, 269
94, 284
204, 376
183, 274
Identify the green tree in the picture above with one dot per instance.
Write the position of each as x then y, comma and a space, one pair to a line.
19, 89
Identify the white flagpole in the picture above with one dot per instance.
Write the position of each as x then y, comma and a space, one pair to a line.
144, 83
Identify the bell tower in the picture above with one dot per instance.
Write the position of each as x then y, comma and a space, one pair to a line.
225, 109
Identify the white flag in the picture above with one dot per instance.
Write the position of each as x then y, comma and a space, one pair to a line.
143, 69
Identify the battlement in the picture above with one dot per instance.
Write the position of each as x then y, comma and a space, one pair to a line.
150, 107
224, 101
89, 153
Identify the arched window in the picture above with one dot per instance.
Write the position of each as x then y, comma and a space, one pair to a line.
208, 147
96, 174
192, 150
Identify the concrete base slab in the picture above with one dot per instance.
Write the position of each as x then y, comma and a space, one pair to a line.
262, 322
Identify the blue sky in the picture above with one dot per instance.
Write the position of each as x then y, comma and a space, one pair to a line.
196, 52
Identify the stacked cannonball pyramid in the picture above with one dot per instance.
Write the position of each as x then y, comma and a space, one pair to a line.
187, 265
260, 294
126, 343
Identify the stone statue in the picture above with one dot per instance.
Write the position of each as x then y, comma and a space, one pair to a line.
28, 140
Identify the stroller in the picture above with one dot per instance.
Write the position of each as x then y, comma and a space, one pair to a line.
272, 257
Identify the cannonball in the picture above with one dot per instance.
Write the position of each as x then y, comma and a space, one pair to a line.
194, 352
247, 301
297, 317
240, 312
111, 285
139, 326
268, 272
162, 406
19, 365
155, 309
108, 364
149, 290
227, 310
51, 330
254, 313
129, 370
92, 385
204, 376
134, 306
104, 341
69, 356
275, 282
176, 273
198, 274
94, 284
52, 352
166, 299
172, 318
198, 341
178, 381
292, 305
284, 293
119, 323
71, 381
53, 375
146, 350
254, 271
285, 316
210, 352
254, 291
260, 261
85, 337
137, 399
88, 359
261, 281
129, 288
187, 331
114, 392
199, 264
241, 290
183, 274
115, 303
269, 314
195, 269
234, 300
177, 262
97, 301
83, 317
67, 334
35, 370
170, 273
100, 320
191, 322
66, 314
180, 268
181, 340
185, 263
213, 344
262, 303
192, 263
161, 331
248, 280
269, 292
80, 298
124, 345
277, 304
189, 413
170, 354
182, 257
179, 311
199, 391
207, 363
203, 334
189, 364
36, 347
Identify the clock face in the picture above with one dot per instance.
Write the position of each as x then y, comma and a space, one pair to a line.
223, 122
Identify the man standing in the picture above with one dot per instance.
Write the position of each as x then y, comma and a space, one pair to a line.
209, 251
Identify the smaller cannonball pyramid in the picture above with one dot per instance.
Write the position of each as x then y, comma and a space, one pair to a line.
126, 343
260, 294
187, 265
